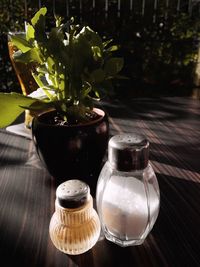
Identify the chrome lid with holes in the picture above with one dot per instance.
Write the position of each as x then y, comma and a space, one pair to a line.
128, 152
72, 194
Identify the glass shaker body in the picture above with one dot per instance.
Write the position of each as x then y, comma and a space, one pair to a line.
128, 201
74, 227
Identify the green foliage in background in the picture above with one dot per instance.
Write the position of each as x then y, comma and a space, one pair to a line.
73, 67
161, 53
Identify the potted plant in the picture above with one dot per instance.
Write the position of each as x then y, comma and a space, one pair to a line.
73, 69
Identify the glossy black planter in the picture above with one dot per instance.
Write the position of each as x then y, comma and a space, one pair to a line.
72, 151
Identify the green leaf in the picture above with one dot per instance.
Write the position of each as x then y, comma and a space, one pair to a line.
112, 48
55, 45
98, 76
37, 78
38, 23
41, 12
96, 53
39, 106
58, 21
113, 66
50, 63
91, 37
107, 43
95, 90
40, 81
86, 89
42, 69
30, 56
20, 43
10, 107
30, 32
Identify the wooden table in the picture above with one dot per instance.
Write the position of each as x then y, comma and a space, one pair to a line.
27, 192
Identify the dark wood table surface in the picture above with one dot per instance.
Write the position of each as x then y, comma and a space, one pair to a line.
27, 192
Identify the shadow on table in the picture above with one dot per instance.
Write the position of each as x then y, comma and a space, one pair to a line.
184, 157
157, 108
176, 231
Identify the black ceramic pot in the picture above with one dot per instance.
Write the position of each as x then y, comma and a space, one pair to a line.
75, 151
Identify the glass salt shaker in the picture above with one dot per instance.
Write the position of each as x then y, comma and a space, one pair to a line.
127, 195
74, 227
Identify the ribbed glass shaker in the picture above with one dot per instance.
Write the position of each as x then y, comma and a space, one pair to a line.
74, 227
128, 196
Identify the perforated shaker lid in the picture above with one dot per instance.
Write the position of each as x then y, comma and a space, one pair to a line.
73, 194
128, 152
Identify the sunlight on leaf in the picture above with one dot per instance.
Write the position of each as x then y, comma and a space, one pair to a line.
20, 43
30, 32
10, 107
30, 56
41, 12
112, 48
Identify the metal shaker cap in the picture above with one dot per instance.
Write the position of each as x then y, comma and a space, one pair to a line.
128, 152
73, 194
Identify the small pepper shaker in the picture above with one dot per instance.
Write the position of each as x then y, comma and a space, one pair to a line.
74, 227
128, 196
